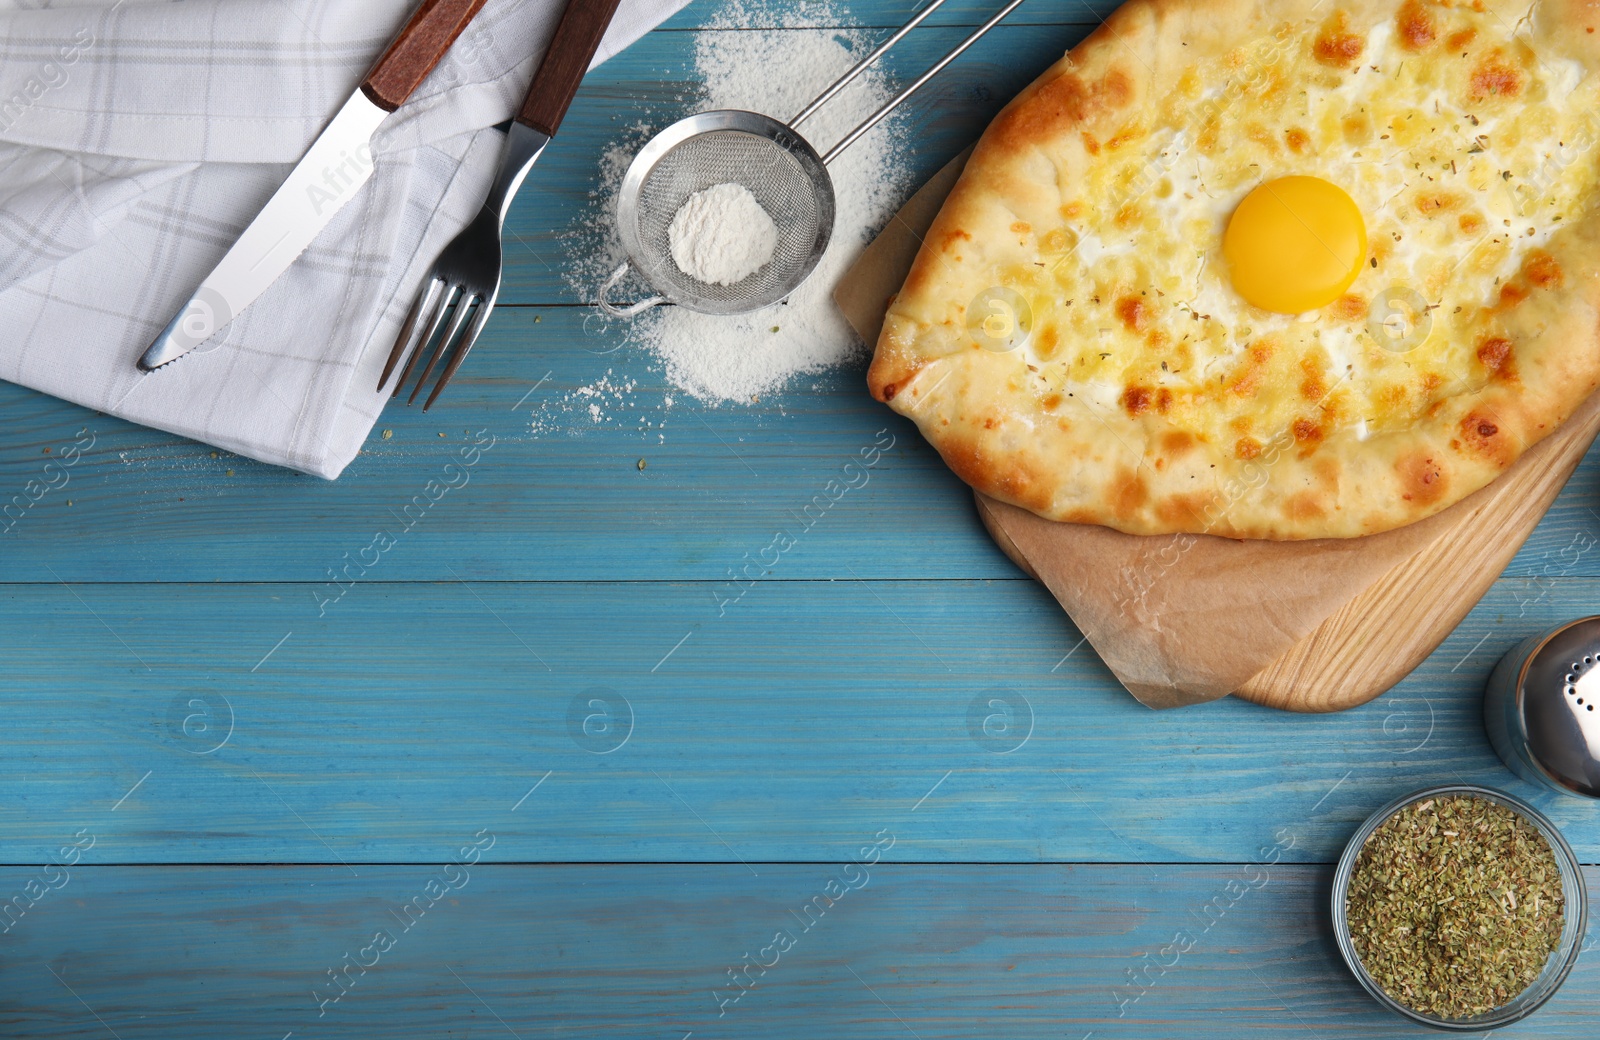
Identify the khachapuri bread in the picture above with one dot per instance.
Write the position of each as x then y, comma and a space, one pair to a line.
1278, 270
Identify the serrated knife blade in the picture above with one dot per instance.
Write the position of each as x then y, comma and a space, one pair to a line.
327, 177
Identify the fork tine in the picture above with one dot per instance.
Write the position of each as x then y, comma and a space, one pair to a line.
448, 297
463, 307
403, 343
479, 320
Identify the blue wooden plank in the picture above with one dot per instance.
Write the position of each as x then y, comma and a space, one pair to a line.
558, 497
805, 714
976, 952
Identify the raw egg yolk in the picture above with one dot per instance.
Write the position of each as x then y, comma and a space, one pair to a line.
1295, 244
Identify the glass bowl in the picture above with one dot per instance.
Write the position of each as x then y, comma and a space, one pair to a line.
1575, 913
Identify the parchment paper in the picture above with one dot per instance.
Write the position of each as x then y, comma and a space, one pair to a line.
1178, 619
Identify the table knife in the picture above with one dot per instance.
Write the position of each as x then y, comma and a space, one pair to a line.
331, 173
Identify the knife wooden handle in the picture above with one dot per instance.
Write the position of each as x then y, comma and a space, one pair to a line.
565, 61
417, 50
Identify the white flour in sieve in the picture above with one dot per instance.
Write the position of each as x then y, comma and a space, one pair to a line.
741, 357
721, 235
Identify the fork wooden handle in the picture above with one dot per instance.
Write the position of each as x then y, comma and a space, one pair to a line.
567, 59
421, 45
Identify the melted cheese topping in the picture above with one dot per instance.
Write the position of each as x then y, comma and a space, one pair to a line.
1465, 152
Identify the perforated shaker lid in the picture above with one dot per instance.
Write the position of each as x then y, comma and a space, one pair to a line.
1560, 697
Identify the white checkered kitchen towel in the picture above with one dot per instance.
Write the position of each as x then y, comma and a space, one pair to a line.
139, 137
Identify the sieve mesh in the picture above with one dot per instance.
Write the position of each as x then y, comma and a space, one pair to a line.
798, 201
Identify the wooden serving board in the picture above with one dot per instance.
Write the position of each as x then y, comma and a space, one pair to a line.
1302, 626
1376, 639
1395, 617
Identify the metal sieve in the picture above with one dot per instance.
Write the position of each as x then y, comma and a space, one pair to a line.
777, 166
773, 162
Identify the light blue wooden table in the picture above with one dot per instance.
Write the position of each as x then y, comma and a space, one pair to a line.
579, 798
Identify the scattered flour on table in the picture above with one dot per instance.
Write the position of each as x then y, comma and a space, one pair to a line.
740, 357
721, 235
610, 400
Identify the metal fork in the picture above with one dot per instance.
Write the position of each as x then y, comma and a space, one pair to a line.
465, 281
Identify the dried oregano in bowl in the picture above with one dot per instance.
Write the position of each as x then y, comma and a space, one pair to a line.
1454, 905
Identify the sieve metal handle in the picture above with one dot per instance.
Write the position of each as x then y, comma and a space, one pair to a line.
894, 102
865, 64
631, 309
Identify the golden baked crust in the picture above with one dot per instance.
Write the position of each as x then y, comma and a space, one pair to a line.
1141, 392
